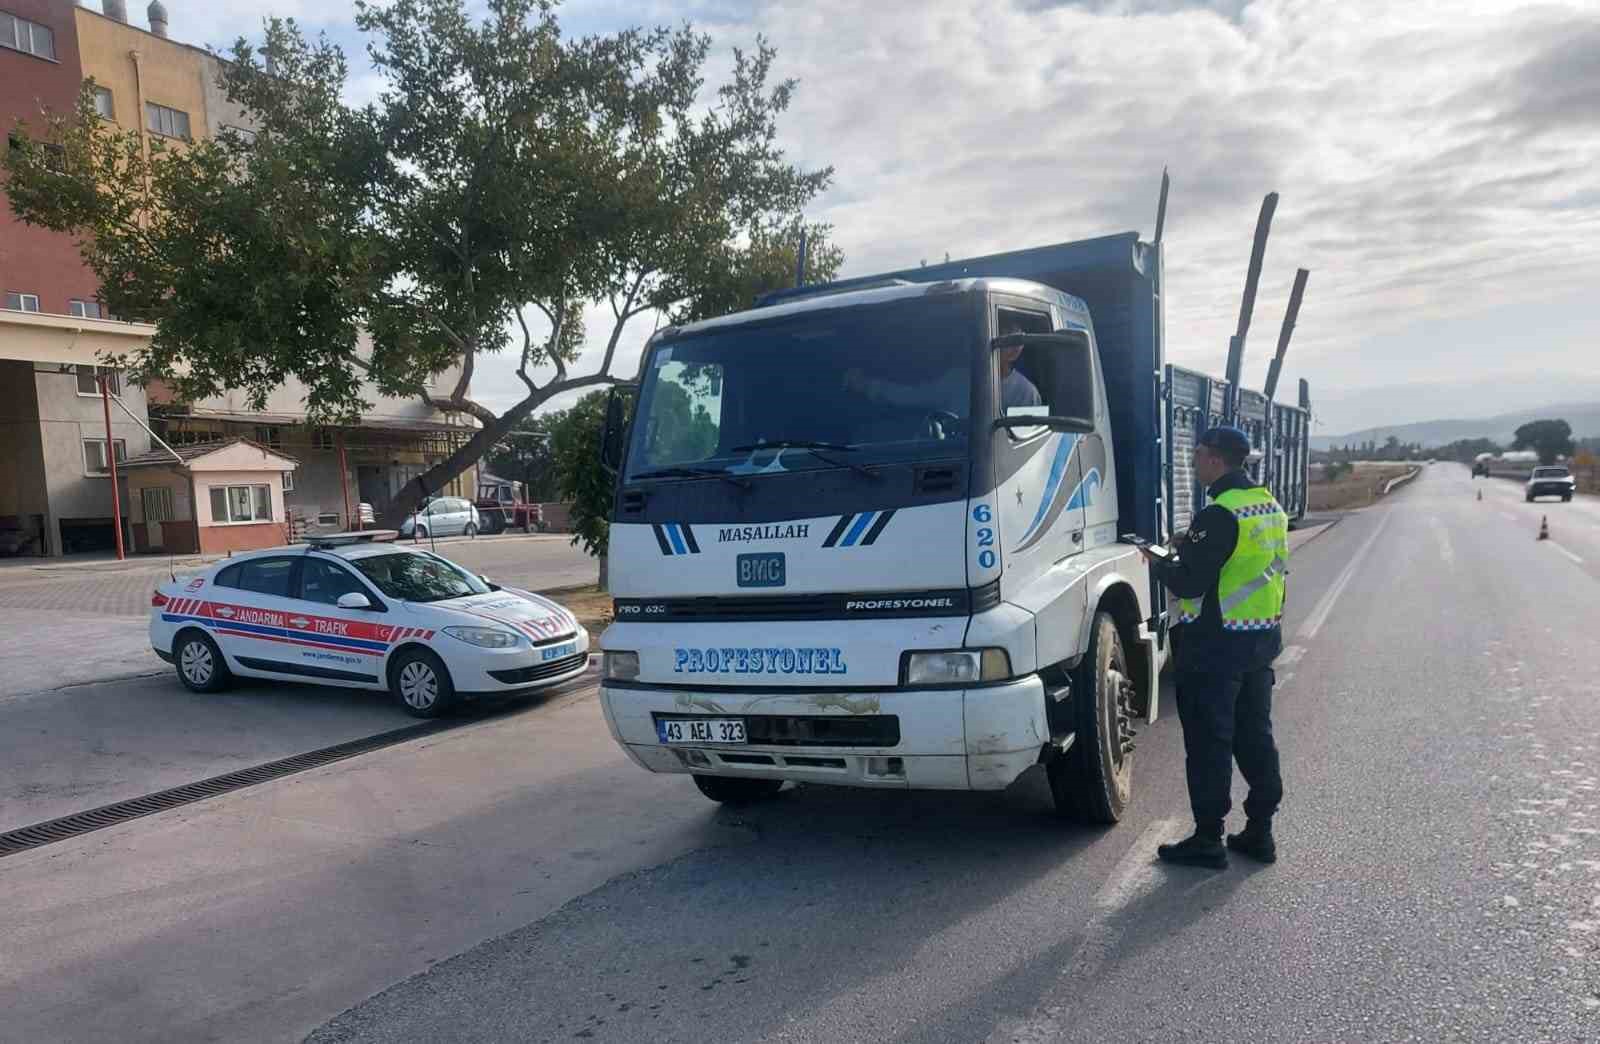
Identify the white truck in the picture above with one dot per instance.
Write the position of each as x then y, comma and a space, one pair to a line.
867, 533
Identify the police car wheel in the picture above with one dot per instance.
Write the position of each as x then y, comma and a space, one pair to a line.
1093, 780
199, 663
730, 791
421, 684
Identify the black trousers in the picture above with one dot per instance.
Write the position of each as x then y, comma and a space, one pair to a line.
1225, 706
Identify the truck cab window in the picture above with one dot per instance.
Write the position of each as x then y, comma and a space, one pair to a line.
686, 413
1019, 372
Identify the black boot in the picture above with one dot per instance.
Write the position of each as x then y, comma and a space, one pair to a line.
1255, 841
1202, 848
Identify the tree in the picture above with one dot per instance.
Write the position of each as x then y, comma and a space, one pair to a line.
1549, 438
575, 438
524, 455
505, 174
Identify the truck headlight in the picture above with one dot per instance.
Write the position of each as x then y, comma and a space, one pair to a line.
622, 666
956, 666
484, 637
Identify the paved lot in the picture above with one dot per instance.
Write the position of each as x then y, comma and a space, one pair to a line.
77, 624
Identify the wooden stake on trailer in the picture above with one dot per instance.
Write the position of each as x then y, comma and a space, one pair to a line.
1247, 306
1289, 317
1161, 207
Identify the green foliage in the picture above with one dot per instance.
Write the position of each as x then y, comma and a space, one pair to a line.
1467, 450
1549, 438
575, 437
524, 454
1338, 469
505, 170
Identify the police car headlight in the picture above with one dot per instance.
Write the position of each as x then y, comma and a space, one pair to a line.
956, 666
622, 666
484, 637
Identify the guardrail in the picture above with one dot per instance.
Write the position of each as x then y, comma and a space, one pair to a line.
1400, 480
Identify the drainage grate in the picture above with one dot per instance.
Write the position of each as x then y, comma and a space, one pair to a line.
54, 830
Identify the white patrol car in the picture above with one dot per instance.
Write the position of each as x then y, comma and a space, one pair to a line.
348, 611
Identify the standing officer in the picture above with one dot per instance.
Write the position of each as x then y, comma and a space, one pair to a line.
1229, 578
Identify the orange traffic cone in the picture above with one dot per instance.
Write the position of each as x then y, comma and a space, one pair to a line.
1544, 527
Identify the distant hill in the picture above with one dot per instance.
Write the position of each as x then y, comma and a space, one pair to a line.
1584, 418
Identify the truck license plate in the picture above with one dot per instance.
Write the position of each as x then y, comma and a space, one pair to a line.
558, 652
701, 730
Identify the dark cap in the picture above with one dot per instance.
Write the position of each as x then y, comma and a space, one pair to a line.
1230, 440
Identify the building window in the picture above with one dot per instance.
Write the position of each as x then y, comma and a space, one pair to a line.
288, 482
322, 439
328, 518
19, 34
89, 383
241, 503
104, 104
94, 455
84, 309
269, 435
169, 123
22, 302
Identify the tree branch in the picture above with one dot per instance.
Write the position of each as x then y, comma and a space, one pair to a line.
623, 315
527, 350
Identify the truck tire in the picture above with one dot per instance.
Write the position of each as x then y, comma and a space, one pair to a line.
731, 791
491, 523
1092, 781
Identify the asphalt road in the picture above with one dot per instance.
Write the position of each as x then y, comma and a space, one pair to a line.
1439, 876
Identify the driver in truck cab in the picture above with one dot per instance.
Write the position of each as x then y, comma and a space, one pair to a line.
948, 391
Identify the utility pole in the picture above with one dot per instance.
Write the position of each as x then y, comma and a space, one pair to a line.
111, 461
1247, 306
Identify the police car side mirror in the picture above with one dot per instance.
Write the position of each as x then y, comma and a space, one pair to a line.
490, 584
618, 401
354, 600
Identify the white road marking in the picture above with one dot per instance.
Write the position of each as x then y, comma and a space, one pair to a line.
1134, 875
1557, 547
1446, 552
1290, 656
1319, 615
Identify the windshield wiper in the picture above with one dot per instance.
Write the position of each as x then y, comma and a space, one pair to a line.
716, 473
814, 447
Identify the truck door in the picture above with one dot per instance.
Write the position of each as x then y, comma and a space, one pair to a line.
1039, 473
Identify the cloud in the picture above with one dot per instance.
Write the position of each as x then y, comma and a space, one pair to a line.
1434, 159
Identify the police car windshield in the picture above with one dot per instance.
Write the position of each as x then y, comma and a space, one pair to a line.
889, 382
418, 577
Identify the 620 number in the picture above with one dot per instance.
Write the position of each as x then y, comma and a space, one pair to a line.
984, 535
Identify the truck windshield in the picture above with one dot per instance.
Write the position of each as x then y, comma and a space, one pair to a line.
879, 383
1550, 472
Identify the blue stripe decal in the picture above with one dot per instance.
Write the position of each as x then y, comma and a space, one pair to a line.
677, 540
1058, 468
281, 632
856, 530
1083, 496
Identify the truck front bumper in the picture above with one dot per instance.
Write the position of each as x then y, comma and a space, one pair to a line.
948, 739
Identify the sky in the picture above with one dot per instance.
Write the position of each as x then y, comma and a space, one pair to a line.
1436, 164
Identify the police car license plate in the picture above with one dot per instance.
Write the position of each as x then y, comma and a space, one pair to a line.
701, 730
558, 652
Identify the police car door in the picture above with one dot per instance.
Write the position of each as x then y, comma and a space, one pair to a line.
340, 645
252, 611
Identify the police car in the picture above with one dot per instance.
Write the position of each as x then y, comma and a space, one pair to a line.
352, 610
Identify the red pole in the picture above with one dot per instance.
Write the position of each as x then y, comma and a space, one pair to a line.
111, 459
344, 485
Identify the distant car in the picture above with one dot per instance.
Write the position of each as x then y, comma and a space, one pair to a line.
442, 516
352, 612
1551, 481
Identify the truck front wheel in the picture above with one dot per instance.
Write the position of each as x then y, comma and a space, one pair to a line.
731, 791
1092, 781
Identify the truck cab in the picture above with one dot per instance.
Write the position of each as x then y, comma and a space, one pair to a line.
868, 535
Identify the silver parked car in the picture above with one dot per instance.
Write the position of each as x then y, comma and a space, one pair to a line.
442, 516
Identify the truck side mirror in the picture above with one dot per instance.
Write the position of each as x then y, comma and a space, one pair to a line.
618, 400
1064, 361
